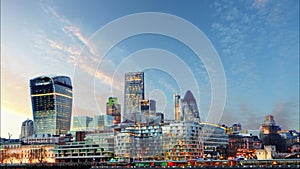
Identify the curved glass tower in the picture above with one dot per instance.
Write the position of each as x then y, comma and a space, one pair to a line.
51, 98
190, 110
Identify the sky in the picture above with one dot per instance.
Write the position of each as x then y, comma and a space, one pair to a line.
253, 44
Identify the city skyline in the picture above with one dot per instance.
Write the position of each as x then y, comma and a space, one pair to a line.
257, 42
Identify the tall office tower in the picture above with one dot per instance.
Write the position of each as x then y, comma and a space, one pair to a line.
114, 109
190, 110
134, 92
177, 104
147, 113
27, 129
51, 98
81, 123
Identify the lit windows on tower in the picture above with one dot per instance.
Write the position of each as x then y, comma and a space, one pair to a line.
189, 108
51, 98
134, 92
177, 105
148, 111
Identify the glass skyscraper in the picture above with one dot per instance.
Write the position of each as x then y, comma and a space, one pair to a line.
134, 92
51, 98
190, 110
177, 104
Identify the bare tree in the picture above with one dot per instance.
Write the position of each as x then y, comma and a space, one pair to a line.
9, 135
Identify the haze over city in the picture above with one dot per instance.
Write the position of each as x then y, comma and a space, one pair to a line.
257, 43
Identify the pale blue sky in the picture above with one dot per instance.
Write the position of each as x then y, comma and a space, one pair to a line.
256, 40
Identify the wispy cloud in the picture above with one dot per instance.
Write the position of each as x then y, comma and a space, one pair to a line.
60, 46
71, 30
259, 3
75, 31
59, 49
88, 62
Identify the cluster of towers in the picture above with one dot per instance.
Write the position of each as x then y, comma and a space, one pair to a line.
136, 107
51, 98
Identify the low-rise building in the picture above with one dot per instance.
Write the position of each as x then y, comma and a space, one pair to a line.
243, 145
104, 138
138, 141
83, 151
215, 140
26, 154
182, 141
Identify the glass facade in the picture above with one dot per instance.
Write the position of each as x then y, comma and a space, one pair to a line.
134, 92
82, 151
51, 98
172, 141
177, 104
139, 141
182, 141
81, 123
147, 111
214, 137
101, 121
103, 138
190, 110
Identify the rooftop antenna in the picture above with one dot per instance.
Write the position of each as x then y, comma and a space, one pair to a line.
9, 135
